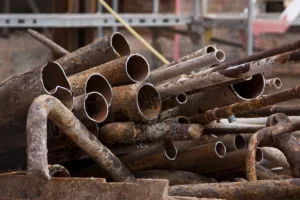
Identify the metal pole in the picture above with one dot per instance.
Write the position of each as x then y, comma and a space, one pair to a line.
203, 7
99, 29
116, 9
196, 9
155, 6
249, 28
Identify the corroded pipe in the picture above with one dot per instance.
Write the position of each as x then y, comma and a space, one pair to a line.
128, 132
228, 76
137, 102
237, 108
232, 142
123, 71
290, 110
280, 135
99, 52
206, 60
175, 177
267, 190
232, 128
198, 53
90, 108
46, 107
273, 84
18, 92
174, 101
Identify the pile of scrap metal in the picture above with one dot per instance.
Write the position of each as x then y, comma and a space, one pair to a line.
206, 126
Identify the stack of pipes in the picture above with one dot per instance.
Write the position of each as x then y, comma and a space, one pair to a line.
198, 121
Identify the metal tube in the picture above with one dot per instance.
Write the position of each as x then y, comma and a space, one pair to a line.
206, 60
123, 71
174, 101
259, 120
130, 133
232, 128
18, 92
288, 143
93, 83
273, 158
137, 102
249, 28
47, 42
218, 97
260, 55
227, 76
46, 107
273, 84
206, 50
291, 110
237, 108
99, 52
90, 108
115, 7
233, 161
175, 177
284, 189
232, 142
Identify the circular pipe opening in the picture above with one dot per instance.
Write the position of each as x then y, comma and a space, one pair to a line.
181, 98
220, 149
183, 120
239, 142
250, 89
96, 107
120, 44
259, 156
210, 49
149, 101
98, 83
220, 55
277, 83
137, 68
170, 151
52, 76
65, 96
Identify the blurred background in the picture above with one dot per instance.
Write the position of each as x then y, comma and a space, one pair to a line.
173, 27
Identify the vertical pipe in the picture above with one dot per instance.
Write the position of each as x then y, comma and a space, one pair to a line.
116, 9
203, 7
196, 9
249, 28
155, 6
99, 29
176, 36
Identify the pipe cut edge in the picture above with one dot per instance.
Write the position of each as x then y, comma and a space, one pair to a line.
137, 68
47, 107
96, 107
220, 149
119, 44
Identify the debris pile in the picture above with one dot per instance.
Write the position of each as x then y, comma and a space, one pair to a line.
207, 126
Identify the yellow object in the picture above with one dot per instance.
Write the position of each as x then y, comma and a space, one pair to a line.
133, 32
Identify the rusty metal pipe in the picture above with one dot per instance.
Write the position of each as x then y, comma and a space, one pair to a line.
46, 107
18, 92
227, 76
174, 101
123, 71
232, 128
245, 106
264, 54
128, 132
267, 190
280, 134
273, 84
137, 102
99, 52
259, 120
47, 42
206, 60
175, 177
90, 108
206, 50
232, 142
290, 110
233, 161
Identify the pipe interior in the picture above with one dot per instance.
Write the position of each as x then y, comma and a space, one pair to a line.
183, 120
220, 149
65, 96
170, 151
220, 55
250, 89
98, 83
96, 107
120, 44
53, 75
181, 98
149, 102
210, 49
278, 83
259, 156
137, 68
239, 142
